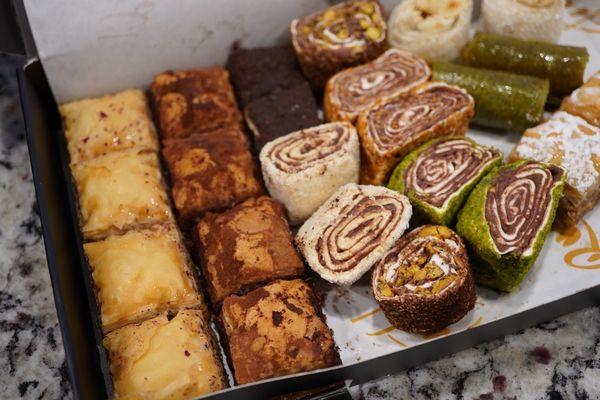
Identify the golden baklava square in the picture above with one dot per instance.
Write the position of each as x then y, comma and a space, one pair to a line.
101, 125
120, 191
140, 274
164, 358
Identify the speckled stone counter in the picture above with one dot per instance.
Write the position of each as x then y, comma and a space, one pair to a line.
556, 360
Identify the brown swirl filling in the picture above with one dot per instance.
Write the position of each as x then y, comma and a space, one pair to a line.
361, 227
444, 168
304, 149
517, 205
391, 74
396, 122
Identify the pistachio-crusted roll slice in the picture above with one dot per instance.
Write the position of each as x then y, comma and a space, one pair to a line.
390, 129
352, 230
506, 219
424, 282
304, 168
347, 34
351, 91
433, 29
438, 176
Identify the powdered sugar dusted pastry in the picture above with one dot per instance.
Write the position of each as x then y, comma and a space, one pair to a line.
390, 129
524, 19
424, 282
304, 168
585, 101
352, 231
350, 91
434, 29
571, 143
347, 34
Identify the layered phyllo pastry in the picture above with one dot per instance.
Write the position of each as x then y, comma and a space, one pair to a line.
276, 330
260, 71
120, 191
438, 176
304, 168
245, 246
424, 282
573, 144
194, 101
352, 90
167, 357
141, 274
585, 101
98, 126
390, 129
506, 219
347, 34
355, 227
210, 171
281, 112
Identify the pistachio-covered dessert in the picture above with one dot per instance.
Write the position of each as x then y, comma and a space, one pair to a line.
424, 282
506, 219
342, 36
438, 176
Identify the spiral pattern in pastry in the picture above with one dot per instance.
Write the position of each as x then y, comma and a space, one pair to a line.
391, 74
517, 205
445, 167
359, 229
313, 146
393, 123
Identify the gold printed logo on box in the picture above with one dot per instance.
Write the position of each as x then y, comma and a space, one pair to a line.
587, 257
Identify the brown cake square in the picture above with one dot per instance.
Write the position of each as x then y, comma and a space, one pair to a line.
210, 171
276, 330
194, 101
281, 112
246, 245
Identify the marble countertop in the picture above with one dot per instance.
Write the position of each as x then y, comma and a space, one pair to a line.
555, 360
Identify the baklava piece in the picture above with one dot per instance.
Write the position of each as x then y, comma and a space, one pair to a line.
281, 112
438, 176
573, 144
506, 219
342, 36
585, 101
120, 191
194, 101
258, 72
424, 283
352, 231
246, 245
141, 274
276, 330
304, 168
164, 358
97, 126
210, 171
390, 129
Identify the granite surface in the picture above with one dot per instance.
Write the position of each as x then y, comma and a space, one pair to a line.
556, 360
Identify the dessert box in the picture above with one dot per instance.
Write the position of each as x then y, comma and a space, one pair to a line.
103, 47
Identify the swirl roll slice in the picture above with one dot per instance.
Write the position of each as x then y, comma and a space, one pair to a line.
438, 176
352, 231
302, 169
507, 217
351, 91
424, 282
390, 129
347, 34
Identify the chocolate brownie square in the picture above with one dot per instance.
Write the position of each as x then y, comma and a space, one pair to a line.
276, 330
281, 112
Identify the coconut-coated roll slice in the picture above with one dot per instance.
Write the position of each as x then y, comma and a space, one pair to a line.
351, 91
352, 231
424, 282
